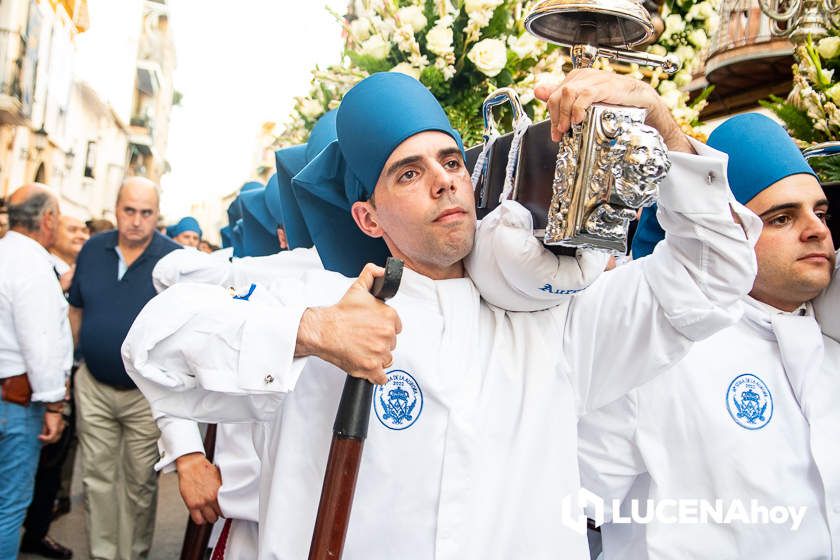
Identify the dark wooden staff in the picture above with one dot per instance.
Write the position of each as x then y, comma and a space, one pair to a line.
349, 433
197, 537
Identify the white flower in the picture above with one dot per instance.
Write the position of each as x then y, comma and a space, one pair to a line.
407, 69
667, 86
829, 47
698, 38
524, 46
672, 98
478, 20
376, 47
472, 6
310, 108
658, 50
360, 29
682, 78
489, 56
413, 16
550, 78
404, 38
706, 10
686, 54
439, 39
674, 24
834, 93
384, 27
711, 24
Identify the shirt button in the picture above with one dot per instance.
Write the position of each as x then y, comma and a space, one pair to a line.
710, 178
269, 378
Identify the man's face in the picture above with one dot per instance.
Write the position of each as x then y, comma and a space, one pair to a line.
137, 214
4, 223
72, 234
795, 251
423, 204
187, 239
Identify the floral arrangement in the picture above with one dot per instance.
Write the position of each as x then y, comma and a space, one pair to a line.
688, 28
464, 49
810, 112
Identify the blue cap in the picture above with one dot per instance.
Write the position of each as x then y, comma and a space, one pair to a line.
225, 234
187, 223
272, 200
259, 230
234, 210
375, 117
289, 163
321, 134
760, 152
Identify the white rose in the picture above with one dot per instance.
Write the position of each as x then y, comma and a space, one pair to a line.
439, 40
489, 56
376, 47
698, 38
360, 29
481, 5
829, 47
407, 69
525, 45
310, 108
413, 16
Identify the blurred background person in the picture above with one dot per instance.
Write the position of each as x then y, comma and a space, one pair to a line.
187, 232
35, 358
98, 225
4, 220
117, 434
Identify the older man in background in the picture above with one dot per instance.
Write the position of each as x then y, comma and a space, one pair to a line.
35, 353
117, 435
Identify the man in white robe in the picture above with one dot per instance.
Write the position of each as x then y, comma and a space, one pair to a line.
474, 443
749, 417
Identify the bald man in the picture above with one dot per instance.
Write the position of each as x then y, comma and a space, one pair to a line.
35, 352
117, 435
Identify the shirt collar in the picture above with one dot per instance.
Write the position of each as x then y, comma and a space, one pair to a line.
801, 311
26, 240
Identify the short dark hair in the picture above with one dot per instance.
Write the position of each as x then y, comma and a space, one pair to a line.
28, 214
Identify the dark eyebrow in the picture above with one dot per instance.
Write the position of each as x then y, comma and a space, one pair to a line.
446, 152
401, 163
791, 206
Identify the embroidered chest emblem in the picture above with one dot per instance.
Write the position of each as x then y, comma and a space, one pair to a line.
749, 401
398, 403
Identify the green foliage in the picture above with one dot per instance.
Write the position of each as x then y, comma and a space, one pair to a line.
798, 123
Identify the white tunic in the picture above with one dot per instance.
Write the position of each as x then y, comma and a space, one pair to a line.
478, 447
235, 455
681, 436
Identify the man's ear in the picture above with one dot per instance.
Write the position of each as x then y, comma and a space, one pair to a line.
364, 214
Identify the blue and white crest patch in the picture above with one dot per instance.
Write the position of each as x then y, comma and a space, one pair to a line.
399, 402
749, 402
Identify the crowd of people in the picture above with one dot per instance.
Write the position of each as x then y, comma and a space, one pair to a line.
704, 370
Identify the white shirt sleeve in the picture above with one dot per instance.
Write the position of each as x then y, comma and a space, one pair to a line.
189, 265
607, 452
196, 352
178, 437
39, 313
639, 319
